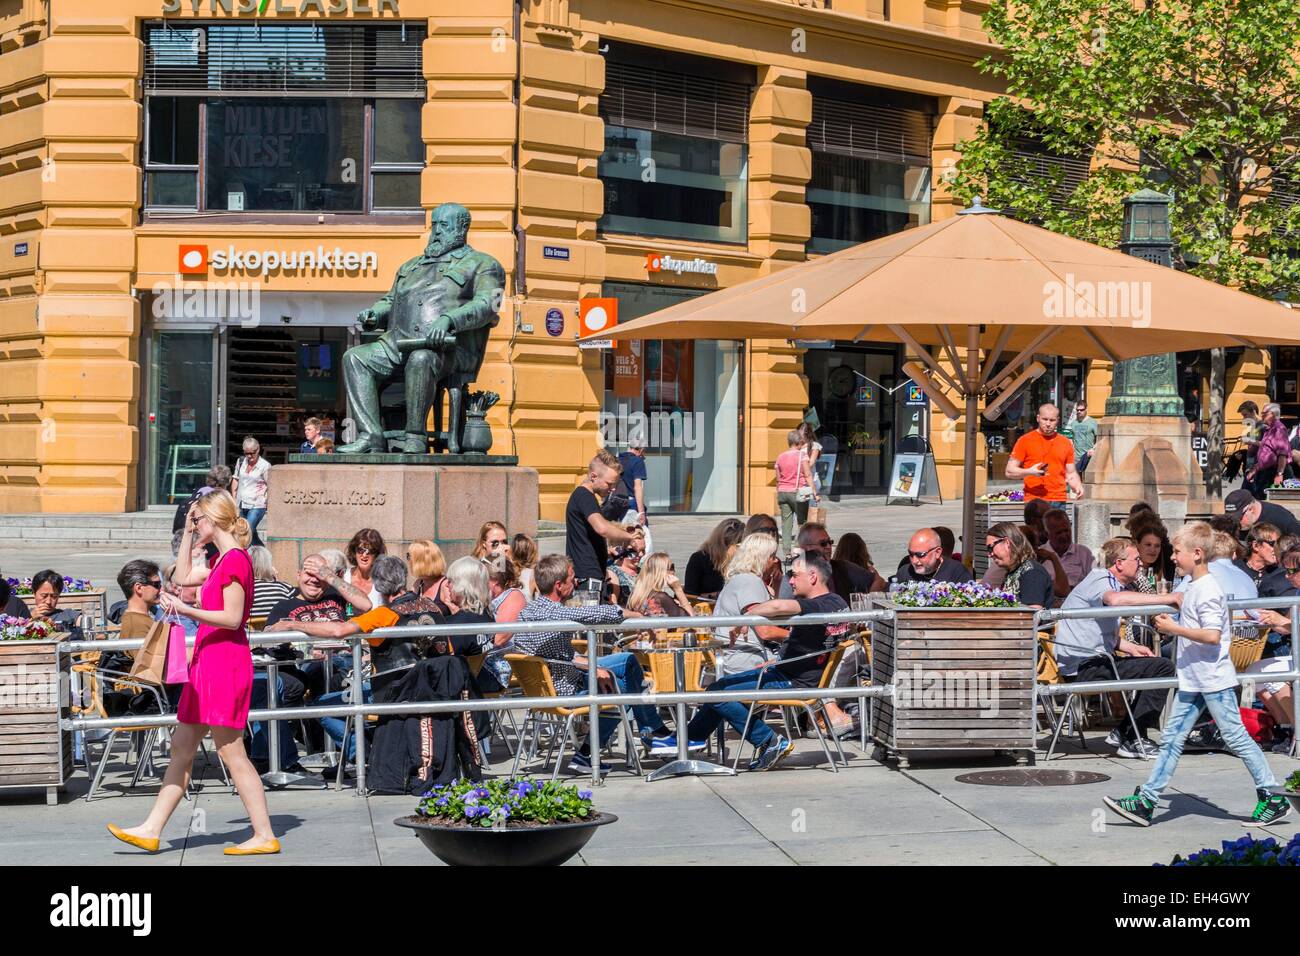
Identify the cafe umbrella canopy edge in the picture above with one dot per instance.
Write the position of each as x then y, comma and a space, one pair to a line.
991, 284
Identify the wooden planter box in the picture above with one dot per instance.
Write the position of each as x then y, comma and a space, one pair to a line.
989, 513
1288, 498
963, 680
93, 604
34, 751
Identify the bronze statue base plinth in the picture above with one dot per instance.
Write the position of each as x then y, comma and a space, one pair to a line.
1139, 458
320, 501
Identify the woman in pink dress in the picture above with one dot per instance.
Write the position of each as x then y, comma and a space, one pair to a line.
221, 673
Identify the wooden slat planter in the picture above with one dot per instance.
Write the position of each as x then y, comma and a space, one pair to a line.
964, 680
34, 751
989, 513
1288, 498
93, 604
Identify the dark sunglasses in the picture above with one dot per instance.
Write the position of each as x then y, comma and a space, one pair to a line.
364, 550
921, 554
1291, 568
154, 584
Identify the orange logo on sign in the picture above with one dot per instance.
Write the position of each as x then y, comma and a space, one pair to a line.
653, 262
597, 315
193, 260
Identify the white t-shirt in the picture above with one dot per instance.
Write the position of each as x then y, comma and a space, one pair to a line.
252, 482
740, 591
1206, 667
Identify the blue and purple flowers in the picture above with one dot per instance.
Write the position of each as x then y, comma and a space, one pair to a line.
1246, 852
497, 803
948, 594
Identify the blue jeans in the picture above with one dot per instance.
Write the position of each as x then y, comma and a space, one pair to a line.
261, 748
630, 679
336, 727
1223, 707
709, 716
254, 517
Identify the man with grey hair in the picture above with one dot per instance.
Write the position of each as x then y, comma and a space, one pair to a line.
1272, 455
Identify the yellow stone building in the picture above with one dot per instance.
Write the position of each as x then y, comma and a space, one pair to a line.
198, 196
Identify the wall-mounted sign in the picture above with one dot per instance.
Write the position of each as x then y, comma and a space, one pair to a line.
20, 248
554, 322
627, 369
866, 395
290, 7
658, 262
597, 315
555, 252
198, 260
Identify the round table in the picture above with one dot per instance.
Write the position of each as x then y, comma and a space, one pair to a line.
684, 765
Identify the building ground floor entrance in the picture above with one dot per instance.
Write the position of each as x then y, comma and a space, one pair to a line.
209, 385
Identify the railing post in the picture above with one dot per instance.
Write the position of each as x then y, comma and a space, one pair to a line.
593, 688
1295, 665
359, 730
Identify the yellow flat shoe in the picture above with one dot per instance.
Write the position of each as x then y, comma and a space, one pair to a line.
271, 846
142, 843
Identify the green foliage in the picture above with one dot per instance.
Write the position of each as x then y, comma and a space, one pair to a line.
500, 802
1200, 98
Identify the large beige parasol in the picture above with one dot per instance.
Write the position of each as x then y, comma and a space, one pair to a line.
987, 283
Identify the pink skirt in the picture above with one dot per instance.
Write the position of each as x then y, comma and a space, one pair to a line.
221, 681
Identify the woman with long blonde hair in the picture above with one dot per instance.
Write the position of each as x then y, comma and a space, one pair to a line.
429, 572
657, 589
216, 698
492, 539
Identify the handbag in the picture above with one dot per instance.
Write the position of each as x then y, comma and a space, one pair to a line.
615, 506
177, 670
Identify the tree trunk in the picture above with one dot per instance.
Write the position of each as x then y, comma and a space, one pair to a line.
1214, 480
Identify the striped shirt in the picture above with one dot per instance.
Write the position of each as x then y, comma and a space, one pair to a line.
267, 594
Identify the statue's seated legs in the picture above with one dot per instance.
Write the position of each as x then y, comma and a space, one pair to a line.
365, 370
424, 367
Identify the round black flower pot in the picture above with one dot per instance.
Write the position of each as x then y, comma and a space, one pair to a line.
548, 845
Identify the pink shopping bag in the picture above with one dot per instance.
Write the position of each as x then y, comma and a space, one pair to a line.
177, 670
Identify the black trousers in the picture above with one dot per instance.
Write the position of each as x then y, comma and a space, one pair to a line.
1149, 703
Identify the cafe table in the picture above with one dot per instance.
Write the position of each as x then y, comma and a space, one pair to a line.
684, 764
275, 777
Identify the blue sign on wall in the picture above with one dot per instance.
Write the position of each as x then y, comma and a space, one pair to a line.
554, 322
555, 252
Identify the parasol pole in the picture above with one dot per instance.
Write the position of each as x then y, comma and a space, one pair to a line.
971, 392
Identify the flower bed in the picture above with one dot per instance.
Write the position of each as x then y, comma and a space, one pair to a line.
508, 803
23, 586
1245, 852
946, 594
23, 629
1002, 497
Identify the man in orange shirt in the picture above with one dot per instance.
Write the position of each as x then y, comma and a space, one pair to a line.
1045, 460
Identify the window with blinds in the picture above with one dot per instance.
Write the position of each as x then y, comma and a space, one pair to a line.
870, 131
1039, 166
645, 97
258, 58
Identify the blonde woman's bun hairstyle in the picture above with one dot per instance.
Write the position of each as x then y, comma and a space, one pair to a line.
220, 507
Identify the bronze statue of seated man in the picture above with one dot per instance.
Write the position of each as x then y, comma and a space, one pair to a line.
439, 313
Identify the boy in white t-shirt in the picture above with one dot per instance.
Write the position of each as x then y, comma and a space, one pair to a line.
1206, 678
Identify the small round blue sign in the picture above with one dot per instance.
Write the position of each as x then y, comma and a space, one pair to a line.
554, 322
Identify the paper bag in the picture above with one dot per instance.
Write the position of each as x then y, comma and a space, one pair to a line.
818, 515
150, 660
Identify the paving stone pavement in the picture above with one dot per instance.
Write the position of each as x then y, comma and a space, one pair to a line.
798, 814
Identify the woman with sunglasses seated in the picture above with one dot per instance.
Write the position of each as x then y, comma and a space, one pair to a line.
658, 591
1010, 550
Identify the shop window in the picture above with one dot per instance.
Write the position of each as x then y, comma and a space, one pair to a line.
283, 118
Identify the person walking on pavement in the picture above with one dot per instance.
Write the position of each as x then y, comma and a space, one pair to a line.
634, 481
794, 488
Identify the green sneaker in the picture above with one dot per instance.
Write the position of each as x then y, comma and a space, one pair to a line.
1268, 810
1136, 808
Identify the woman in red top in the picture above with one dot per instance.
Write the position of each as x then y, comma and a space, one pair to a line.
220, 683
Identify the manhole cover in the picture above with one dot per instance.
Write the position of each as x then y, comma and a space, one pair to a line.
1032, 778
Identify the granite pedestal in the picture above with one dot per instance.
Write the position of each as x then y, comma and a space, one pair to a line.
320, 501
1148, 458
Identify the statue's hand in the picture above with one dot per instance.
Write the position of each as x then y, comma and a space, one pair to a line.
439, 331
368, 319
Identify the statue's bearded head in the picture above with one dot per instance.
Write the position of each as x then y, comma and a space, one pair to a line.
448, 227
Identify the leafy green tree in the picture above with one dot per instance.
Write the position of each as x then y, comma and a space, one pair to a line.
1194, 97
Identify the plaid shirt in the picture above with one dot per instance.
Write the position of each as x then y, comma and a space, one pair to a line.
556, 645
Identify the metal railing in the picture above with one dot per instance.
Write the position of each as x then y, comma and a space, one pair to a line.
357, 710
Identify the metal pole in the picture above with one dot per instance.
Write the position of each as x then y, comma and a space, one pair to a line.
969, 458
359, 729
1218, 374
1295, 684
593, 688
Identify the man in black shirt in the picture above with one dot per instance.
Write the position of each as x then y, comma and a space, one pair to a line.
925, 561
587, 533
802, 659
1248, 512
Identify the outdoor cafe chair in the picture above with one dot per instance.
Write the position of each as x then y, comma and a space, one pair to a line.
534, 674
1048, 644
813, 707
